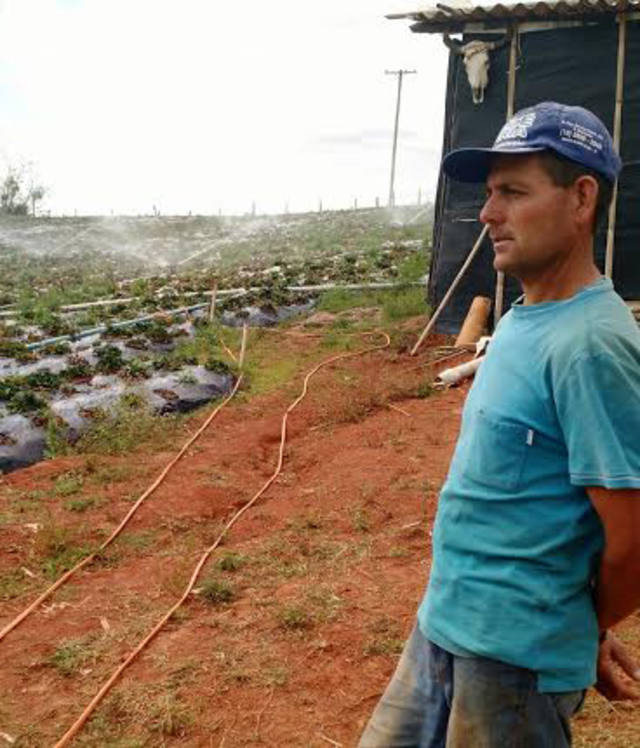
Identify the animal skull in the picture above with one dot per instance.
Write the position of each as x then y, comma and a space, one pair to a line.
475, 55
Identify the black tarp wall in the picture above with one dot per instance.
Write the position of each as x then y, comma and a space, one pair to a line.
574, 65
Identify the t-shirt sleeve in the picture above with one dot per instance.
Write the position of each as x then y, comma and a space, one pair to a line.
598, 405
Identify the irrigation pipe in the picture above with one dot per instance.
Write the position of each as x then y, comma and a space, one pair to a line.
222, 293
67, 575
125, 300
116, 325
108, 684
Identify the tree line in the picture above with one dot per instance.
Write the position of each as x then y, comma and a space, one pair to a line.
19, 195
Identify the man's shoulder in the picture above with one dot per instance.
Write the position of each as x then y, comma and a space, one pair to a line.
602, 326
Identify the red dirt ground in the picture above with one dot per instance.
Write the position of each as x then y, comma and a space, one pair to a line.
332, 562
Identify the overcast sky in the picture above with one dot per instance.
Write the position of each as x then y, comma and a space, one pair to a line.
204, 105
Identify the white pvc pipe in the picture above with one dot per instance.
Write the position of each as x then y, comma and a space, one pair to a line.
458, 373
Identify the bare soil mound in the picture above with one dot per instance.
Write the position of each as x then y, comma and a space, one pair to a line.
298, 619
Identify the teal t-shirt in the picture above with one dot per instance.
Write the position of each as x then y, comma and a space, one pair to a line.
554, 407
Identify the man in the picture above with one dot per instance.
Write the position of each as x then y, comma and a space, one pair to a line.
536, 544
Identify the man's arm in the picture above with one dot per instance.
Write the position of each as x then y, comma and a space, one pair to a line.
618, 585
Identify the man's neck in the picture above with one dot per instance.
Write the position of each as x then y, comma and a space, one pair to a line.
561, 281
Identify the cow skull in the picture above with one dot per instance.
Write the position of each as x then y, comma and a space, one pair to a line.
475, 55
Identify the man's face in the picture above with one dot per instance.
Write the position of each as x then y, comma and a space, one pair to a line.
530, 218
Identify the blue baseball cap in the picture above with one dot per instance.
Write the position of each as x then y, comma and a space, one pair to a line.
570, 131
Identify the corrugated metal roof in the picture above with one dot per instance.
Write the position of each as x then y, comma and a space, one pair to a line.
444, 18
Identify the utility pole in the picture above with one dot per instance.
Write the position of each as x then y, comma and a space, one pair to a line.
400, 74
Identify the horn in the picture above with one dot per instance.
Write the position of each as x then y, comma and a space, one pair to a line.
500, 43
453, 45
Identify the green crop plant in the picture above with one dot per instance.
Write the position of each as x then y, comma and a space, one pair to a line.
136, 369
78, 368
26, 401
217, 366
10, 386
13, 348
43, 380
110, 359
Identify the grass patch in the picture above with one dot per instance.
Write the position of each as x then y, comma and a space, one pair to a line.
99, 475
12, 584
339, 300
81, 505
294, 618
170, 717
130, 426
231, 562
404, 303
216, 592
334, 341
265, 376
67, 484
414, 268
424, 389
326, 604
385, 638
360, 520
58, 553
69, 657
138, 541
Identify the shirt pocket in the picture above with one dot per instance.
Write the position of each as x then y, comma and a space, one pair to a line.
495, 451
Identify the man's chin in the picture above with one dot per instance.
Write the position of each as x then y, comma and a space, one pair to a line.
501, 264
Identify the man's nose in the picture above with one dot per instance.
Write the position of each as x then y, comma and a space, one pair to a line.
489, 212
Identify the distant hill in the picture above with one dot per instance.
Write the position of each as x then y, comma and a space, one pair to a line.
91, 250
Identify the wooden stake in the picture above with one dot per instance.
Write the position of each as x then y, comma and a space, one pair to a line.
452, 288
475, 323
243, 346
212, 305
511, 95
617, 132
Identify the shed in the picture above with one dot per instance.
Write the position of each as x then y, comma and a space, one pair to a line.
583, 52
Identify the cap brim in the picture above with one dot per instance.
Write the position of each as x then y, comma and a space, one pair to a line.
474, 164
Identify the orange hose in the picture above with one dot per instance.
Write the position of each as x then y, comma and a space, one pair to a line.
106, 687
91, 557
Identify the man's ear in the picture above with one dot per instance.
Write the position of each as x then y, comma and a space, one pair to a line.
586, 193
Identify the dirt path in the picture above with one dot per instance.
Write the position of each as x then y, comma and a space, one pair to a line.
301, 615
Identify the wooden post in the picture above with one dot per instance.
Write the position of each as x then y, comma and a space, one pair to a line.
243, 346
212, 305
452, 288
511, 95
400, 74
617, 131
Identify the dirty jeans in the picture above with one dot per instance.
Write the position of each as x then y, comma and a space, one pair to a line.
438, 700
